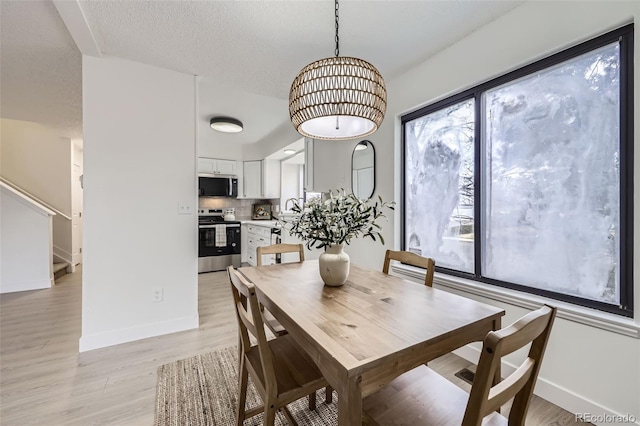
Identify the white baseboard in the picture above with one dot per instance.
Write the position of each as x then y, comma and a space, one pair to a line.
115, 337
62, 254
549, 391
33, 285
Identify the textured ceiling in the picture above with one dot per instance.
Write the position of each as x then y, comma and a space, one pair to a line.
252, 49
40, 68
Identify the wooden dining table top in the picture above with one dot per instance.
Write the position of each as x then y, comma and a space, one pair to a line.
373, 328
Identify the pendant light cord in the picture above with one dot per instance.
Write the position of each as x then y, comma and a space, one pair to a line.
337, 54
337, 36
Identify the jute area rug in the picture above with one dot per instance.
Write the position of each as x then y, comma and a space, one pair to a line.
203, 391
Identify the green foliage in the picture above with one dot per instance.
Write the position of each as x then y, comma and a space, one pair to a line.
336, 220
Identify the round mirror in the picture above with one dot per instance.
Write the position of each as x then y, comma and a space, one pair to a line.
363, 176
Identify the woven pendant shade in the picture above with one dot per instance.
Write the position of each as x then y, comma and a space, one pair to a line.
337, 98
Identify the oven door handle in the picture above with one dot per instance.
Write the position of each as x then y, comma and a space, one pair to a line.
213, 226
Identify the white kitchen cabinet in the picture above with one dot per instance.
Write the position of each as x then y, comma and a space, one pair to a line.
252, 179
258, 236
261, 179
217, 166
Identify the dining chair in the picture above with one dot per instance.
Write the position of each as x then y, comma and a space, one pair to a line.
271, 322
422, 396
411, 259
279, 249
281, 370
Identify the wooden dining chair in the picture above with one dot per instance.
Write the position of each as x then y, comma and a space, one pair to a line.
411, 259
422, 396
272, 323
279, 249
281, 370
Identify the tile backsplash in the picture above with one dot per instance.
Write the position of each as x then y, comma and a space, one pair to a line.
242, 205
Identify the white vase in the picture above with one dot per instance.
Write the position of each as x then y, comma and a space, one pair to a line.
334, 265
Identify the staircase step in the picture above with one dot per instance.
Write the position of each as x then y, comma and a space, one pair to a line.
59, 270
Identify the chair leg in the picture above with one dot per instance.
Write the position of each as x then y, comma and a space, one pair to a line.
242, 397
289, 416
312, 401
328, 397
269, 414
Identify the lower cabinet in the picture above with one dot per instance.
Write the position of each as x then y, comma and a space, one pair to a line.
258, 236
309, 254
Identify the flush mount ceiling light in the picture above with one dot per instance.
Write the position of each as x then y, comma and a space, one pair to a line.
289, 151
226, 124
337, 98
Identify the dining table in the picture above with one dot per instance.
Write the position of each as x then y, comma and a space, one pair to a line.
371, 329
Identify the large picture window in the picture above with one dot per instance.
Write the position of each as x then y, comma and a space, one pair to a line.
525, 181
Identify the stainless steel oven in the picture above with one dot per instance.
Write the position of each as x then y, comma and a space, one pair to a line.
218, 241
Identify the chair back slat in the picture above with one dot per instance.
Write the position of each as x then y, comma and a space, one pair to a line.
279, 249
521, 332
250, 321
411, 259
484, 398
509, 387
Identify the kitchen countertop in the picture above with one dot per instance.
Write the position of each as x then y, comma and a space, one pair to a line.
265, 223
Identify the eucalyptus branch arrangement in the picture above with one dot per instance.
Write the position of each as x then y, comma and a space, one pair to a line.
336, 220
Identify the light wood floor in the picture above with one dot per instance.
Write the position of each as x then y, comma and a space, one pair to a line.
44, 380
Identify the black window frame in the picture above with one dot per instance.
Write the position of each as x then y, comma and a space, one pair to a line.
624, 36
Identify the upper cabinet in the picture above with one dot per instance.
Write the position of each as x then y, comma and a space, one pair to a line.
217, 166
261, 179
252, 180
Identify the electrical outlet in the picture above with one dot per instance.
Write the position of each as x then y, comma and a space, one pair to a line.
156, 295
184, 208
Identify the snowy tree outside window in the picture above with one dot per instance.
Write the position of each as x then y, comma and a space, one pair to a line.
549, 188
439, 185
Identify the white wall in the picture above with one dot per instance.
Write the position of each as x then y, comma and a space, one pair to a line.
212, 148
39, 161
290, 183
139, 165
25, 244
586, 368
273, 142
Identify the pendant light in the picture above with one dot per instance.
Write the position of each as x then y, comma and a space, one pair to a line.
338, 97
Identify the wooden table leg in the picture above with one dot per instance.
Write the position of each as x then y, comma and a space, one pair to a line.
350, 402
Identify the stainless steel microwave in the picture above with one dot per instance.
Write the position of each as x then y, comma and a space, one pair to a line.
217, 186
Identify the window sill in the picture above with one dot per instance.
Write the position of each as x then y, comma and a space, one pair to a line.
579, 314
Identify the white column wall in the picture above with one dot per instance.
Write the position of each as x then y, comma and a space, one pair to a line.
586, 368
139, 165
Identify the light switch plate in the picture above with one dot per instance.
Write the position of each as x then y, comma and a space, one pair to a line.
185, 208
